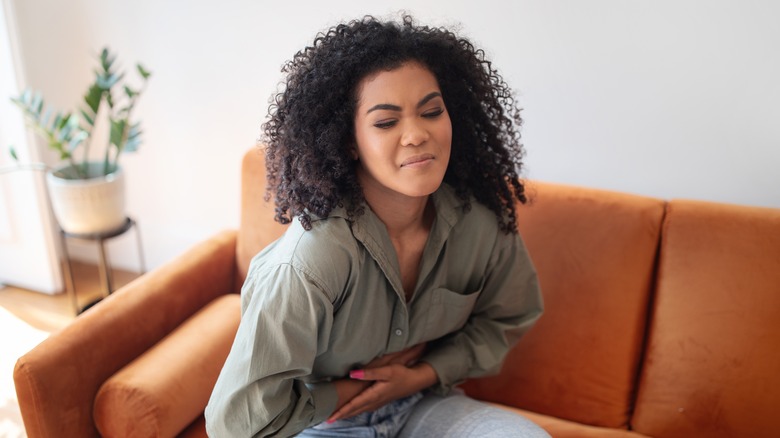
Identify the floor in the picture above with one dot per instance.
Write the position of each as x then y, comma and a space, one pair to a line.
52, 312
29, 317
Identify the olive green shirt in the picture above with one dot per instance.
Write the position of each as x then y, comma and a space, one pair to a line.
317, 304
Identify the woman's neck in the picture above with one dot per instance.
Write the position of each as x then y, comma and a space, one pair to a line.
402, 215
408, 221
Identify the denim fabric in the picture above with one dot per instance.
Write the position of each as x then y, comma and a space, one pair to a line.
458, 416
432, 416
385, 422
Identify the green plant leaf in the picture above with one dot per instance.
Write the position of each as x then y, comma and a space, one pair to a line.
64, 155
133, 138
135, 131
92, 98
74, 120
106, 59
37, 105
60, 121
110, 100
142, 71
46, 117
90, 121
77, 140
64, 133
70, 128
117, 132
26, 97
65, 122
12, 151
106, 81
130, 92
132, 144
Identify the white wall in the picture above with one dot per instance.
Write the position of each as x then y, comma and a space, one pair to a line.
28, 239
668, 99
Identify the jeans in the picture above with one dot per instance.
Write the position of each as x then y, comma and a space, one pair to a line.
426, 415
385, 422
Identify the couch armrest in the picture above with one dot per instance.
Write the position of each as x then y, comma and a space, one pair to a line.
56, 382
165, 389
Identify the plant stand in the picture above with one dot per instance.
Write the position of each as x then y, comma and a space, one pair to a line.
104, 265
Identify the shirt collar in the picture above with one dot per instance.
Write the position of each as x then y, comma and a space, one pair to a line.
372, 233
449, 209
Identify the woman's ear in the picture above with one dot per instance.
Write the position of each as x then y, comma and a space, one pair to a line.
353, 151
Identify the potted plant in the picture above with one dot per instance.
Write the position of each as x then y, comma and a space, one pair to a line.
87, 194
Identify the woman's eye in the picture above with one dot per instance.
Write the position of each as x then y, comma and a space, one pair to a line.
385, 124
433, 113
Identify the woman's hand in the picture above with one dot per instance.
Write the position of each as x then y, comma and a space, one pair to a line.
391, 377
406, 357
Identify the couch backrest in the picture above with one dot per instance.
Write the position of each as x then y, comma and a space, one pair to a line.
595, 254
713, 357
258, 227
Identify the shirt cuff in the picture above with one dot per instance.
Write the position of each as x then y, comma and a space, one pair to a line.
324, 398
450, 366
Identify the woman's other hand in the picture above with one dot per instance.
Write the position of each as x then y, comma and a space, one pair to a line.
390, 377
406, 357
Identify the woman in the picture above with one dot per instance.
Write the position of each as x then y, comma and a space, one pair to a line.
396, 147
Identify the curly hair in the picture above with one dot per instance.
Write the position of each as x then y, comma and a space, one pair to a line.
310, 128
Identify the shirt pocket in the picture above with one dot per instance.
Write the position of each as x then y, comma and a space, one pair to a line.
448, 312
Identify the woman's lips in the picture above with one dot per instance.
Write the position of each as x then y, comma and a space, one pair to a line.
417, 160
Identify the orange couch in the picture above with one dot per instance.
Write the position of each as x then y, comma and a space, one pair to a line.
662, 319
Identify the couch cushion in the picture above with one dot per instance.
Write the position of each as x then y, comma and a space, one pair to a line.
595, 253
166, 388
713, 359
196, 429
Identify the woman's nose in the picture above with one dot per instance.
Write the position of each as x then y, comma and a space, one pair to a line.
414, 134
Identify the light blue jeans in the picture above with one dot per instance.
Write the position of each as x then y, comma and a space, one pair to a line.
426, 415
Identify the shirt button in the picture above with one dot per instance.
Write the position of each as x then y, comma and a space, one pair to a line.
398, 332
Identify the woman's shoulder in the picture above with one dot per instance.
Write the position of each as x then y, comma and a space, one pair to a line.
322, 257
321, 253
328, 238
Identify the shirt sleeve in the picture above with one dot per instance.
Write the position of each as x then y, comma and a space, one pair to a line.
259, 392
509, 304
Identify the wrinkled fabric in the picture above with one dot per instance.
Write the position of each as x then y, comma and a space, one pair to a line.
319, 303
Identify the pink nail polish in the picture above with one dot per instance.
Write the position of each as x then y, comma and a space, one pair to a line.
331, 421
356, 374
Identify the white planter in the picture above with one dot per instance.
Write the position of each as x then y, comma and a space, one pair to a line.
92, 205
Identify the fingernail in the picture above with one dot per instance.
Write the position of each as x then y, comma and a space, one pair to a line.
331, 421
356, 374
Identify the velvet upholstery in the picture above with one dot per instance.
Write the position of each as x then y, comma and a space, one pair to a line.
595, 253
713, 359
258, 228
56, 383
661, 319
158, 394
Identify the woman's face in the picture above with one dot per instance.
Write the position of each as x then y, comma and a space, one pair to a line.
403, 132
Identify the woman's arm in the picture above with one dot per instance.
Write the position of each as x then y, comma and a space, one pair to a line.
260, 391
509, 304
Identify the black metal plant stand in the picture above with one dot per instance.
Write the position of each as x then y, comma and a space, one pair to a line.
104, 265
